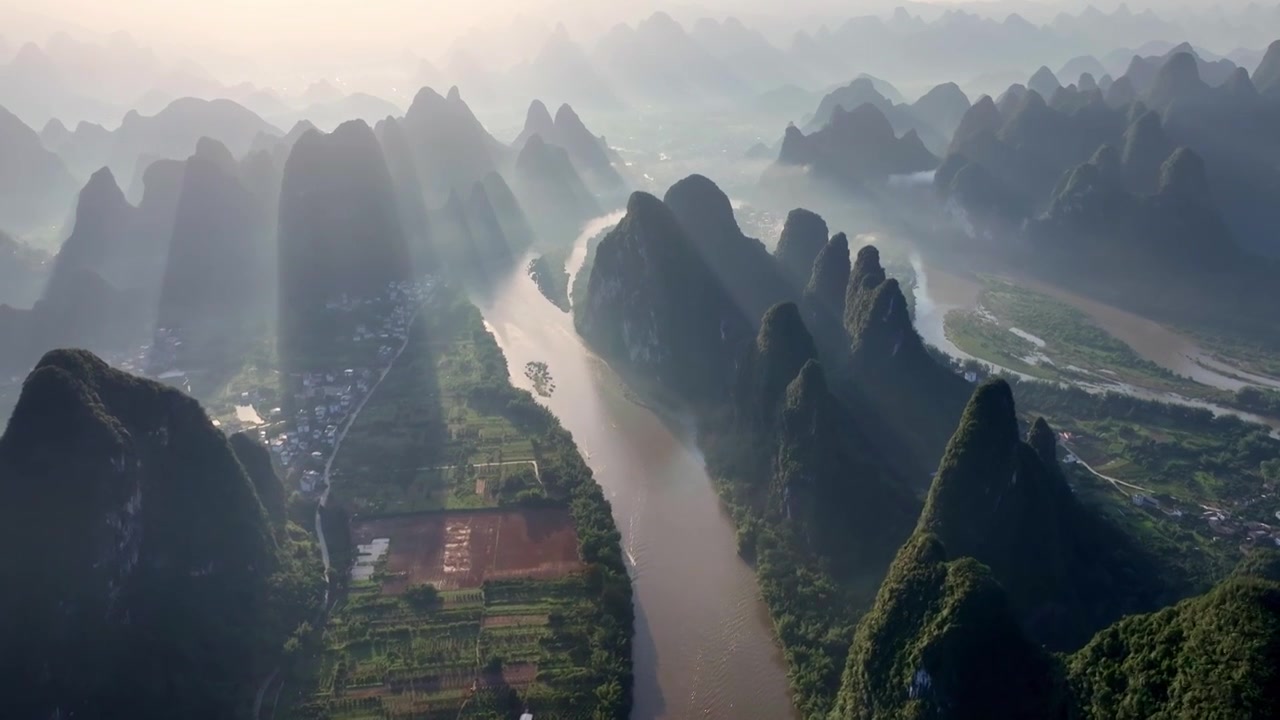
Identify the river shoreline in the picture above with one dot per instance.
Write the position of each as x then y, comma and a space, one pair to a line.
940, 291
704, 645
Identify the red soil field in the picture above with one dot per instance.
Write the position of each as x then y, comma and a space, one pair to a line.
452, 550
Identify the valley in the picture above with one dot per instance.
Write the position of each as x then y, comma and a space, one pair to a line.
461, 586
567, 361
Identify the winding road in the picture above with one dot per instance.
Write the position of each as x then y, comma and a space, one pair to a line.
1114, 481
1118, 483
324, 496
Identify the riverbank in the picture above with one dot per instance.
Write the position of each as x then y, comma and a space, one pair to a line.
704, 645
445, 433
1157, 353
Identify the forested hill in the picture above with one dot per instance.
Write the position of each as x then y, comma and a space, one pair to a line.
156, 585
1005, 566
340, 228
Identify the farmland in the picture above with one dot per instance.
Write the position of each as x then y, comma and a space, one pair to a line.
1034, 334
424, 442
464, 549
482, 573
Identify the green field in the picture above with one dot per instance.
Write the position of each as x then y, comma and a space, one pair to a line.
488, 652
1183, 457
425, 438
445, 430
1074, 348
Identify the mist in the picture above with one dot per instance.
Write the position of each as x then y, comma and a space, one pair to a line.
654, 360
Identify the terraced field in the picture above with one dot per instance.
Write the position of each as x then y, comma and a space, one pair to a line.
473, 593
481, 652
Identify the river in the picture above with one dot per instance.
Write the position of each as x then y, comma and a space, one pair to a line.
704, 646
939, 291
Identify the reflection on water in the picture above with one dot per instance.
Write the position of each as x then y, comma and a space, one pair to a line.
704, 646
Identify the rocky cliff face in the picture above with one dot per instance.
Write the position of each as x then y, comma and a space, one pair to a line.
653, 303
825, 295
803, 236
941, 638
1004, 565
742, 265
891, 372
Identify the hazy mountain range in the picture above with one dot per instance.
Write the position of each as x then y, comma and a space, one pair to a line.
653, 60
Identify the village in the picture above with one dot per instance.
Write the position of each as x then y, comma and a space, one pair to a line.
1220, 522
323, 401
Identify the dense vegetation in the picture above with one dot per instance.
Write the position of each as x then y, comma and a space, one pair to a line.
1182, 452
820, 508
165, 587
960, 637
449, 401
548, 271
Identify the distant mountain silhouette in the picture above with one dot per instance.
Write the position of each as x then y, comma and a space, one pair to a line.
748, 53
356, 106
658, 62
1081, 65
1267, 75
552, 192
511, 216
340, 230
410, 200
588, 153
111, 239
173, 132
563, 70
804, 234
23, 272
491, 244
855, 148
1044, 82
220, 269
452, 149
36, 190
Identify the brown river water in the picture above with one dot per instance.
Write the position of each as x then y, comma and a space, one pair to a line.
939, 290
704, 645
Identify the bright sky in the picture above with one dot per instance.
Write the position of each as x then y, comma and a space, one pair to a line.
248, 24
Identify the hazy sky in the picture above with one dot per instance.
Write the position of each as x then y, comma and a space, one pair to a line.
238, 37
246, 25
